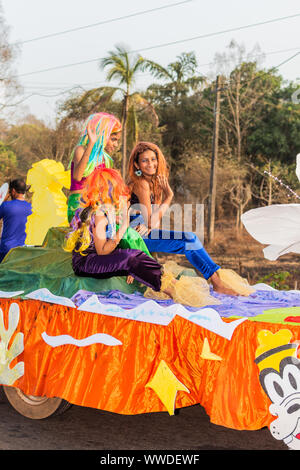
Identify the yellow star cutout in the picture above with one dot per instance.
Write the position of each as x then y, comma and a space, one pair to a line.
207, 354
165, 384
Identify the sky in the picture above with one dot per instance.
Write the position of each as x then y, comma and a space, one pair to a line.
44, 65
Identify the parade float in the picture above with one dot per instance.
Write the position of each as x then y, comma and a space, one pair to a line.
101, 344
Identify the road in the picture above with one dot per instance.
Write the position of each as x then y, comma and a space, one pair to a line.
89, 429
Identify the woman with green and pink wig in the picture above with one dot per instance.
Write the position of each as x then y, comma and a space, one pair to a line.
99, 138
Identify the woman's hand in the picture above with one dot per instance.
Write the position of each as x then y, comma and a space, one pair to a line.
91, 133
142, 229
123, 217
165, 186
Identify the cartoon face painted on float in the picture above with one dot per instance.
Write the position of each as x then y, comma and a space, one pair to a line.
279, 376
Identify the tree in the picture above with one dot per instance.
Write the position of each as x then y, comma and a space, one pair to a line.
9, 86
124, 68
245, 92
63, 138
278, 134
8, 160
81, 104
265, 189
32, 140
180, 79
177, 102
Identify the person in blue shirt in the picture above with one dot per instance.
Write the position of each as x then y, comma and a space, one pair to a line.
14, 215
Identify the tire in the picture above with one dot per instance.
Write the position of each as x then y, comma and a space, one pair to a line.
35, 407
3, 398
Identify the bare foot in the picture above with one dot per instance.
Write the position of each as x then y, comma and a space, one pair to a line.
219, 287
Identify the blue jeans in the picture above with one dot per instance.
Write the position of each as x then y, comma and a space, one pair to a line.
180, 243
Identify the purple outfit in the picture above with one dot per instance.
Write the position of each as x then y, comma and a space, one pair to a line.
76, 185
120, 262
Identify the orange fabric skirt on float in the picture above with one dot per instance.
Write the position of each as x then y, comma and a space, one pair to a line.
119, 365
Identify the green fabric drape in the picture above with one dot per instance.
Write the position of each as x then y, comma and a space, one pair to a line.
49, 266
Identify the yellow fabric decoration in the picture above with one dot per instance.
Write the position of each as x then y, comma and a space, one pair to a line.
166, 386
193, 291
273, 348
49, 204
173, 267
166, 281
235, 282
207, 354
188, 290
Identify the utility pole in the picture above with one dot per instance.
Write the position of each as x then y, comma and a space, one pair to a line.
214, 164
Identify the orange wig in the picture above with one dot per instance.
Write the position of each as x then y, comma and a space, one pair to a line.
104, 186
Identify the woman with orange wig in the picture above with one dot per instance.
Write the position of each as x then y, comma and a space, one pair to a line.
97, 239
148, 181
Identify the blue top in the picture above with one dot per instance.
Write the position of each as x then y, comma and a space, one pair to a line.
14, 214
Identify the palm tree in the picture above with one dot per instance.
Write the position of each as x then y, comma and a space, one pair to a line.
180, 78
124, 68
178, 81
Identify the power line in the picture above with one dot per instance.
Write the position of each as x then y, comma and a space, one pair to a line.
287, 60
42, 95
171, 43
80, 86
63, 86
93, 25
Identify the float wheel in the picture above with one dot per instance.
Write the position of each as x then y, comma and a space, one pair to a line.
2, 395
35, 407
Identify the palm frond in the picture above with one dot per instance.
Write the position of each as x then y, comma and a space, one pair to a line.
91, 101
156, 70
142, 105
138, 64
